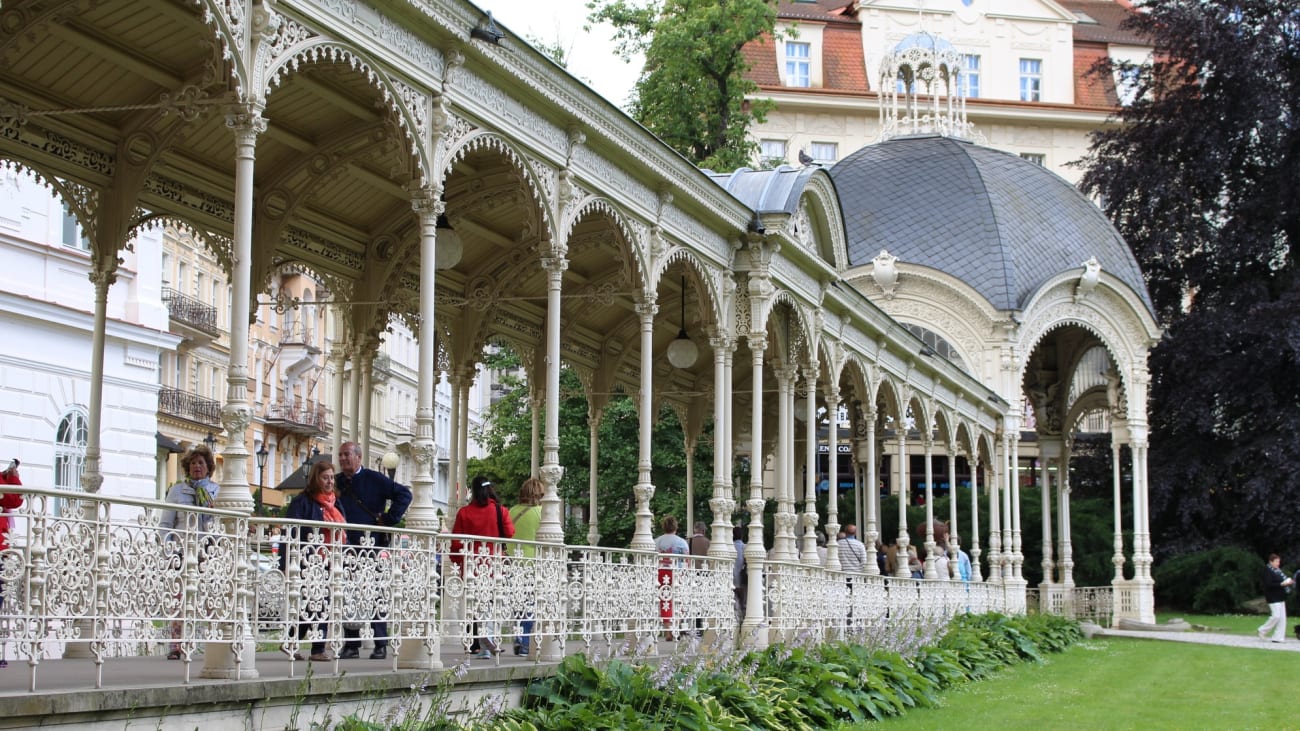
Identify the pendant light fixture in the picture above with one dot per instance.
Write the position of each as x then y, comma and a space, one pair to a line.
682, 351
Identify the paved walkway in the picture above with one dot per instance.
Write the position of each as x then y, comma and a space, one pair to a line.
1290, 644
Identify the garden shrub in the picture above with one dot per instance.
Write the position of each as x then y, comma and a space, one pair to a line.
1216, 581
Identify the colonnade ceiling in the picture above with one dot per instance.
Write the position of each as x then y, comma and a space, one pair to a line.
135, 102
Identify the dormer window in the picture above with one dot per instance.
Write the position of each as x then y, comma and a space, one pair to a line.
798, 64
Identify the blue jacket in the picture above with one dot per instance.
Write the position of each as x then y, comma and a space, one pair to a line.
371, 498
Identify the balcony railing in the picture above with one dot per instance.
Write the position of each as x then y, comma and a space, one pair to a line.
191, 312
305, 418
183, 404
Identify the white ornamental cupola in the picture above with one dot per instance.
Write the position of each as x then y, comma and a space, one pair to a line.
921, 89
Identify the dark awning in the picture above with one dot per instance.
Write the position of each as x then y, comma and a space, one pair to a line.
297, 480
167, 443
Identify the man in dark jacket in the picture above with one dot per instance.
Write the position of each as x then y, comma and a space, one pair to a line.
368, 498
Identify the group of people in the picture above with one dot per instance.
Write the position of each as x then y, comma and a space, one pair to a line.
358, 500
356, 497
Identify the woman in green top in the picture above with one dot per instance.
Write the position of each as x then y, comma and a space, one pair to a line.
527, 516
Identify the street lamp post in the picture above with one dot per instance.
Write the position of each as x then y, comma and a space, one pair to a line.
261, 454
391, 460
211, 441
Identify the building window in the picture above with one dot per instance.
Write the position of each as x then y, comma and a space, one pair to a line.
798, 64
70, 454
1126, 84
72, 234
771, 152
970, 76
1031, 80
824, 152
1036, 158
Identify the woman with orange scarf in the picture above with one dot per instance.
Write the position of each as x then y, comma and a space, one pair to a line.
316, 502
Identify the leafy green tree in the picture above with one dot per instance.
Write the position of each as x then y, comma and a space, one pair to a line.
506, 436
1201, 179
692, 89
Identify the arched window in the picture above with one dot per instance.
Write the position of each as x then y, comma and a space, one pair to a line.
936, 342
70, 453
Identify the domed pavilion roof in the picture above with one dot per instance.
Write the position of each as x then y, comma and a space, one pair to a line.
999, 223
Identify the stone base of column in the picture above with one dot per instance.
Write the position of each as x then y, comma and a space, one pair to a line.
415, 655
219, 662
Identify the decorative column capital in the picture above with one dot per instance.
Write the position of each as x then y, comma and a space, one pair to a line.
246, 121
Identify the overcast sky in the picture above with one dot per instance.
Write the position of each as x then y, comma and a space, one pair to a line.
591, 55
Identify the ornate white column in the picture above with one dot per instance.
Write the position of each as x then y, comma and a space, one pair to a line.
366, 363
755, 604
467, 377
996, 488
355, 348
901, 569
102, 274
1045, 465
219, 660
832, 474
810, 469
538, 403
783, 545
422, 515
1008, 477
690, 482
930, 547
594, 416
338, 356
1066, 552
1017, 556
551, 529
454, 456
954, 540
643, 537
1117, 558
872, 495
722, 505
973, 458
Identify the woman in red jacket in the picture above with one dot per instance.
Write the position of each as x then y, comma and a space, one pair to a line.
483, 516
8, 501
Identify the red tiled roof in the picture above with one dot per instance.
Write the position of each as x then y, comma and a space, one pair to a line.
843, 65
1110, 17
823, 10
761, 57
1092, 90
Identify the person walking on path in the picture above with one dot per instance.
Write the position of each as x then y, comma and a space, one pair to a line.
1275, 590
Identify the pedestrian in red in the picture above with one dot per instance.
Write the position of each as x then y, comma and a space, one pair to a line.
8, 501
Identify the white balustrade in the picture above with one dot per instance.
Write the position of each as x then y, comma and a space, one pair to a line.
99, 572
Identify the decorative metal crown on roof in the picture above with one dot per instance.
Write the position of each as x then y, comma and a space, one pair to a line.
923, 65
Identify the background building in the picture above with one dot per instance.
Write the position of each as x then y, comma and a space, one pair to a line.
166, 363
1027, 84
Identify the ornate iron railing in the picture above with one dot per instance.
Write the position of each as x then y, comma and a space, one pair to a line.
190, 311
184, 404
307, 415
110, 577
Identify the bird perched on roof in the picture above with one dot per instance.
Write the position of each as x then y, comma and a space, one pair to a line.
805, 158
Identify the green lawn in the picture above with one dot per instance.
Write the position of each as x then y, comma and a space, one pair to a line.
1126, 684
